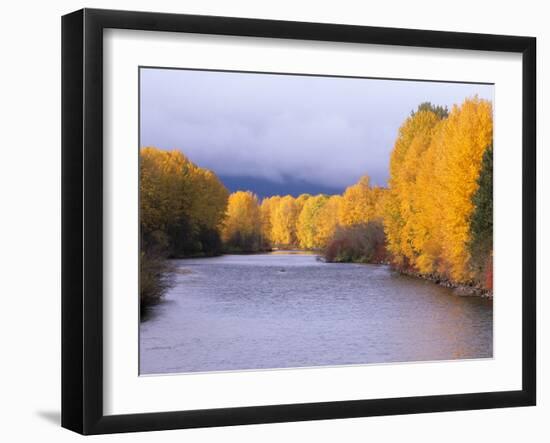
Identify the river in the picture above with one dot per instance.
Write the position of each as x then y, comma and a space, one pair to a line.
238, 312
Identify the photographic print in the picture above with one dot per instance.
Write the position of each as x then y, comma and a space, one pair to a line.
294, 221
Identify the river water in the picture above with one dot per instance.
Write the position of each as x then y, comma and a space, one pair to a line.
286, 310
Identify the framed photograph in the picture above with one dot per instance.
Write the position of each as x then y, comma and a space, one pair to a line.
269, 221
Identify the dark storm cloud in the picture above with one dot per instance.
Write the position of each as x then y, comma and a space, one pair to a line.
325, 131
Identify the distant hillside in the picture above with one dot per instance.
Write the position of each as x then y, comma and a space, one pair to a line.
266, 188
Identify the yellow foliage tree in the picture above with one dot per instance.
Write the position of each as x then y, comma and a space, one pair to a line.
360, 203
242, 229
164, 188
267, 208
414, 138
429, 204
307, 227
379, 196
210, 197
300, 201
180, 203
283, 222
467, 134
434, 169
327, 220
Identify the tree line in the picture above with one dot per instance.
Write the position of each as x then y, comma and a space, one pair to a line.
439, 211
433, 219
303, 222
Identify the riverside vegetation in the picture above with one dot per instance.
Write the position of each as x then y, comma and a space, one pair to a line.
434, 220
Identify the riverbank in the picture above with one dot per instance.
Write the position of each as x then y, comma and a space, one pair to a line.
264, 251
461, 289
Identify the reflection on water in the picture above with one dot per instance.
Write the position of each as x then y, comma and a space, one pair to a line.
291, 310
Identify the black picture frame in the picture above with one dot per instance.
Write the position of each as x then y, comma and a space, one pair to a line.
82, 218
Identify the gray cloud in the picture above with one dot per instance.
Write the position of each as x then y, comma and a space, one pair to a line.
326, 131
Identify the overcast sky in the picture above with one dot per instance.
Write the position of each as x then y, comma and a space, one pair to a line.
286, 132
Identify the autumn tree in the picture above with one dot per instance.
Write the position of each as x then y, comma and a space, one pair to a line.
434, 170
182, 206
208, 208
285, 216
300, 201
267, 209
467, 135
327, 220
242, 229
415, 136
429, 204
307, 227
379, 197
165, 192
358, 203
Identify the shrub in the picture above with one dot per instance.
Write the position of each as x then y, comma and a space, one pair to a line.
242, 242
154, 277
360, 243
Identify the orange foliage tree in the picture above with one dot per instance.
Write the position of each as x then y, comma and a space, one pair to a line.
434, 170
